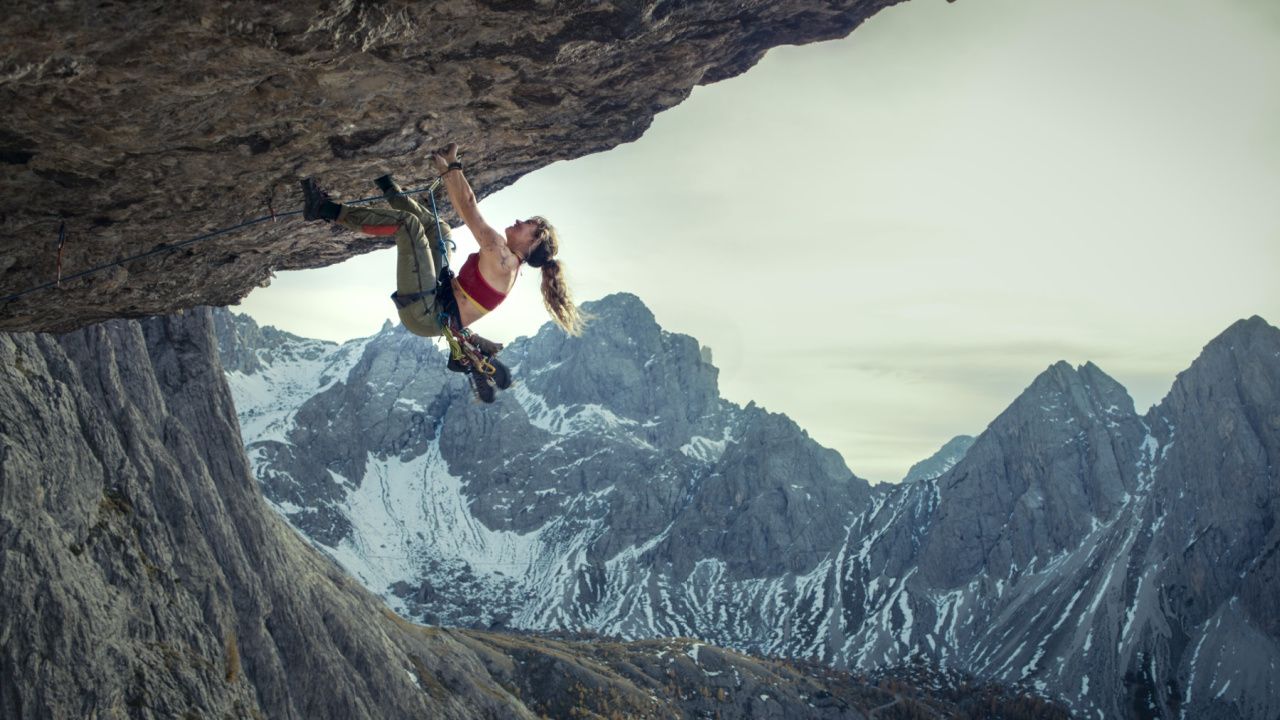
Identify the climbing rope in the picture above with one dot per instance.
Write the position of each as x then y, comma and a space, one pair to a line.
457, 339
443, 319
170, 247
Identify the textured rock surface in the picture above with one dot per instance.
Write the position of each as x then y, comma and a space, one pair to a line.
1122, 563
140, 124
1213, 566
1060, 456
142, 575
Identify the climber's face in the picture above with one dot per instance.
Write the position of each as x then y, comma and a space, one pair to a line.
524, 235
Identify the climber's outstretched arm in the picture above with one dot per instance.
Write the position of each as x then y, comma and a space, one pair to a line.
445, 162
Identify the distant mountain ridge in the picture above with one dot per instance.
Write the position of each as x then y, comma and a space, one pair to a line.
943, 460
143, 575
612, 490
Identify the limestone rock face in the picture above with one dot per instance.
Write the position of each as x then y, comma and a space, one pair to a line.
141, 125
143, 575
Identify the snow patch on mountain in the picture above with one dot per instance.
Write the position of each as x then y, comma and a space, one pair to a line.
267, 399
404, 513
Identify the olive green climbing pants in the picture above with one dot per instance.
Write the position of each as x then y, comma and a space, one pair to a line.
418, 255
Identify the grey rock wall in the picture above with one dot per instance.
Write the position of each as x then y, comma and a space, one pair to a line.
1212, 566
144, 577
1031, 485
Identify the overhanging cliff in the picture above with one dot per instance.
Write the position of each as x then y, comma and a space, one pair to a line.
145, 124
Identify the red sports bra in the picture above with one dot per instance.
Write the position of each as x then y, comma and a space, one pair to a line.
475, 287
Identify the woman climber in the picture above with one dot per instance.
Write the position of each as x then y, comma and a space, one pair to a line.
431, 301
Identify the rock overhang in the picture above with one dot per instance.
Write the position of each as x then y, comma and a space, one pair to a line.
137, 129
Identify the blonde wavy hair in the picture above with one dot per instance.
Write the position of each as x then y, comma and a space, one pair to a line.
555, 291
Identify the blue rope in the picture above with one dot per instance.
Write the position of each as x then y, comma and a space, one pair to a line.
444, 250
443, 319
170, 247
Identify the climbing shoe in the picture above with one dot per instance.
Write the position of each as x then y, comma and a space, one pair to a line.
388, 186
482, 386
501, 374
316, 204
457, 366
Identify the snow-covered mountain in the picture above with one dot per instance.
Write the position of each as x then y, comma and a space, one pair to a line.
1122, 563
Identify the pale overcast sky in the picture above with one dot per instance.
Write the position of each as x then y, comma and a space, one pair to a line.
942, 205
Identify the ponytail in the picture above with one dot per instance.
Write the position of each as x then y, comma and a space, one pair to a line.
555, 296
555, 291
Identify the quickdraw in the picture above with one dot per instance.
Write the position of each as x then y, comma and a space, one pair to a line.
463, 351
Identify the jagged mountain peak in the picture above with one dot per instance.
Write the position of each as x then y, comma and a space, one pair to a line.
1251, 326
947, 456
1064, 391
620, 321
1228, 395
1063, 405
621, 306
247, 346
783, 437
1065, 376
623, 362
1253, 339
1218, 433
1059, 458
1238, 368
